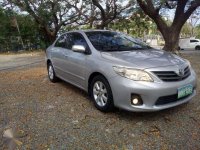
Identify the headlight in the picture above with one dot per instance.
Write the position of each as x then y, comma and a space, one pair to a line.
133, 74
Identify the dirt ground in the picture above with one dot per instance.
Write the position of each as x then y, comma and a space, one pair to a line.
48, 116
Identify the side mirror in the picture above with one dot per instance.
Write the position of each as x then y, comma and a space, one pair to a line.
78, 48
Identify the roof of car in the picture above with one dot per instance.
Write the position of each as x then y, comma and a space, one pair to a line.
90, 30
96, 30
85, 31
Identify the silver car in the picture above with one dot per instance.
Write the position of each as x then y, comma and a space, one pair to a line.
119, 71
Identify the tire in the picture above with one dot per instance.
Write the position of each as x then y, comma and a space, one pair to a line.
197, 48
102, 96
51, 73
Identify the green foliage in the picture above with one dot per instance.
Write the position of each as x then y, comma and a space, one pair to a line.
52, 15
186, 30
198, 32
5, 28
137, 25
9, 34
4, 24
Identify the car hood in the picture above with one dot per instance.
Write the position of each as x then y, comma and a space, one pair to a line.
144, 59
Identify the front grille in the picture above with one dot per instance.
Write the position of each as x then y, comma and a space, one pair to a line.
169, 99
170, 76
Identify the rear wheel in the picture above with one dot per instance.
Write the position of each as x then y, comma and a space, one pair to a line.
51, 73
101, 94
197, 48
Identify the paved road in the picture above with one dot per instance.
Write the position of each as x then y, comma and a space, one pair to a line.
14, 61
190, 52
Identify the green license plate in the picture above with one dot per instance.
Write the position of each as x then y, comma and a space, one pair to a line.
185, 91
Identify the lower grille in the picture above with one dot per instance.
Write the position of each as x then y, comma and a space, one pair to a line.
169, 99
170, 76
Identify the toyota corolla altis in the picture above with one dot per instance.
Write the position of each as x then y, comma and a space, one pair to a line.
119, 71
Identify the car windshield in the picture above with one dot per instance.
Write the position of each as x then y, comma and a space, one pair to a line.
114, 41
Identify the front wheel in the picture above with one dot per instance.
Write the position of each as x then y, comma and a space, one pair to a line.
101, 94
197, 48
51, 73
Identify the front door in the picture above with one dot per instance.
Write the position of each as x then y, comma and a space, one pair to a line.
74, 63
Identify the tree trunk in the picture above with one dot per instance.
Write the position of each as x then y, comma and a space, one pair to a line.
100, 27
103, 25
171, 38
170, 33
49, 37
171, 44
127, 30
52, 38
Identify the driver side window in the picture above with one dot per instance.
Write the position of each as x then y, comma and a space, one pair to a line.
76, 39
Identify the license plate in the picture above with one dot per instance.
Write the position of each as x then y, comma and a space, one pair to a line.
185, 91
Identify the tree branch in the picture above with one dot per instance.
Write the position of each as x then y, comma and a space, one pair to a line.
148, 8
96, 3
194, 5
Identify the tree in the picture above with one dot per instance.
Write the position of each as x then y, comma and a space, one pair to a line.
4, 24
138, 24
108, 10
5, 29
51, 15
183, 10
17, 30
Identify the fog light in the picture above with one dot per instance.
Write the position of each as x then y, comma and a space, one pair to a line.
136, 99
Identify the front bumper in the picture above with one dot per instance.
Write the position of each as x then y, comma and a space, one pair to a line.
150, 92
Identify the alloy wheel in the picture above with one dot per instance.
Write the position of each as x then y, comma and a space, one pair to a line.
51, 73
100, 93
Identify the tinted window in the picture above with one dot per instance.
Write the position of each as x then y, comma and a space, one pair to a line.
76, 39
113, 41
193, 41
61, 42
